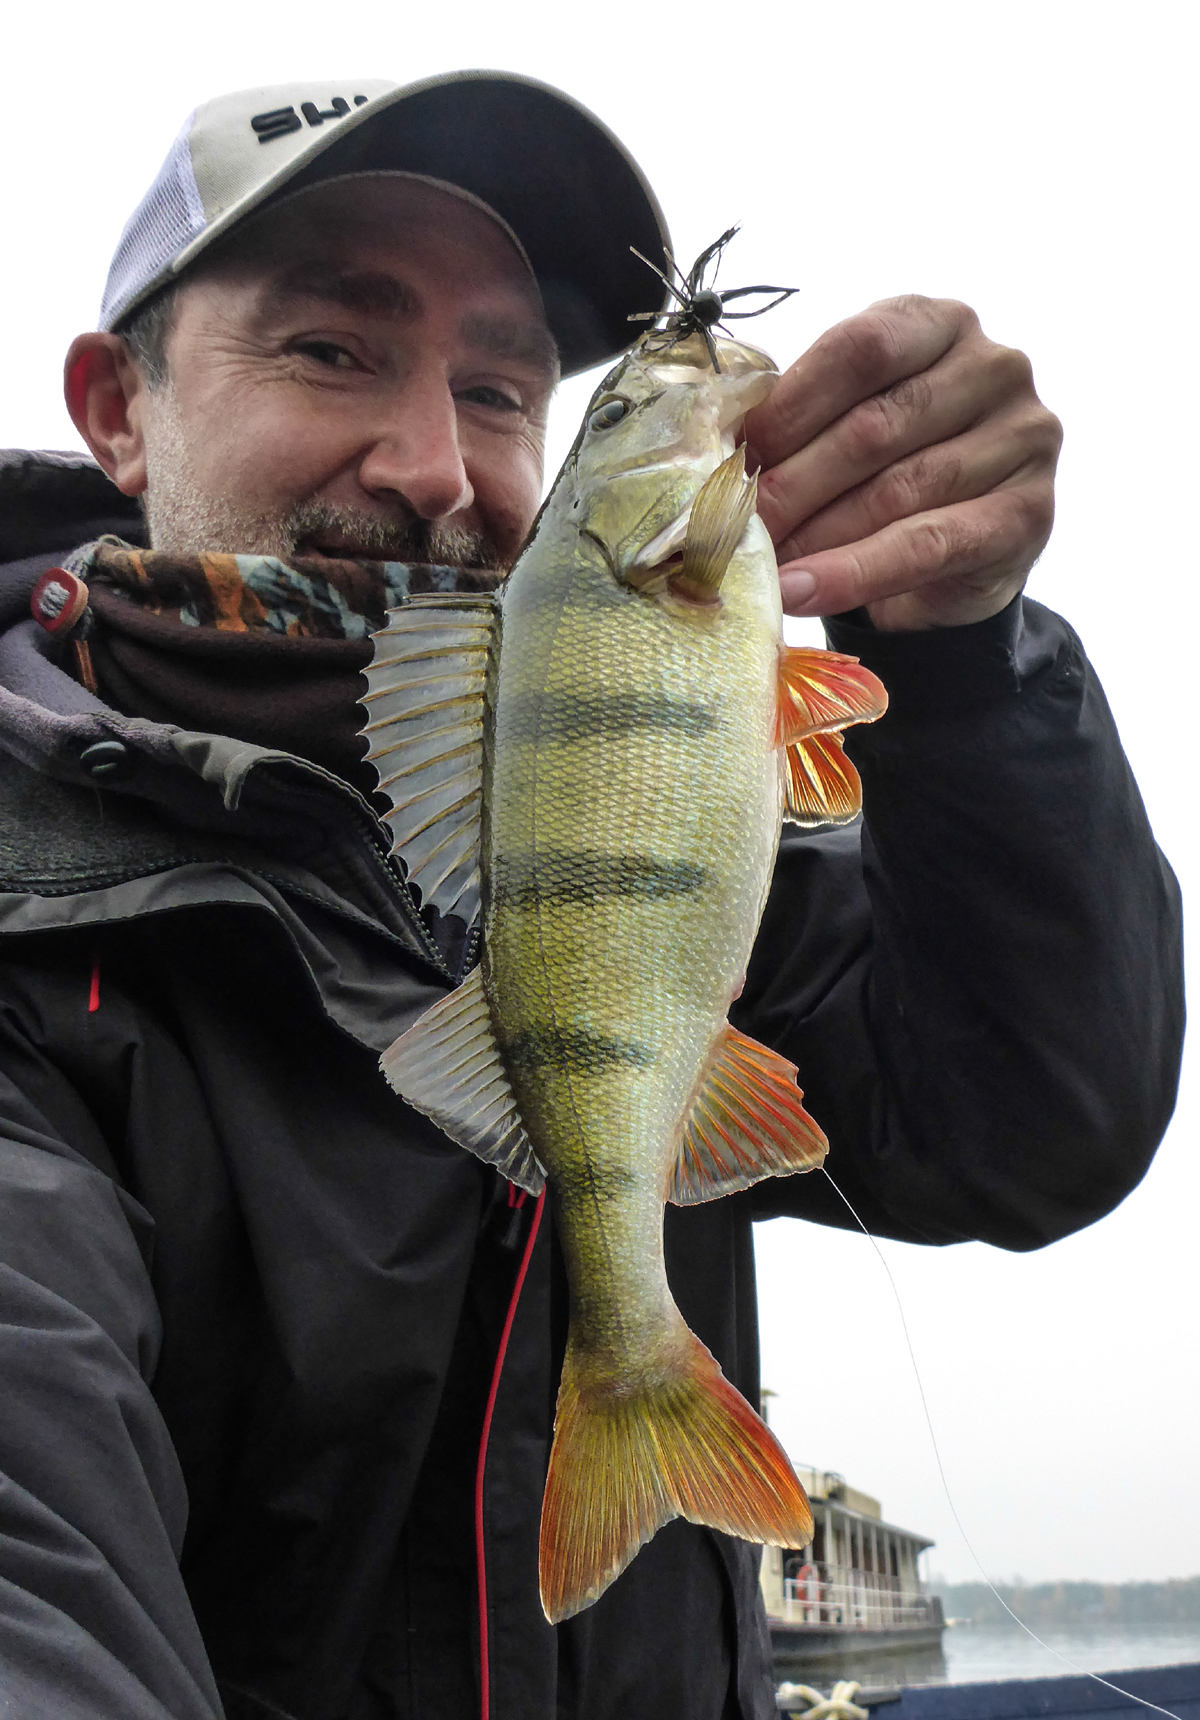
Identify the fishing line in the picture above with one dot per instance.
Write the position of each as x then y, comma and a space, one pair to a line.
912, 1356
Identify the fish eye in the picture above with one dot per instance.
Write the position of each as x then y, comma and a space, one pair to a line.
609, 413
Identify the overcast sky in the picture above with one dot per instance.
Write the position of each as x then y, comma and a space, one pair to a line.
1036, 160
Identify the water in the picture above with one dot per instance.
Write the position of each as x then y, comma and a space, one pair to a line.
974, 1652
978, 1653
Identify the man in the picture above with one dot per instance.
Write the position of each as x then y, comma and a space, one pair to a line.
250, 1304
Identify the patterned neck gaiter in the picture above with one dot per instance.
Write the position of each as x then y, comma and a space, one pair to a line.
266, 651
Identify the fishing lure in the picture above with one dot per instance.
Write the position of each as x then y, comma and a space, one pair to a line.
701, 308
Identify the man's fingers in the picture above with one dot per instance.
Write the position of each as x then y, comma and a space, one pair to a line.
907, 465
868, 353
972, 556
980, 460
975, 380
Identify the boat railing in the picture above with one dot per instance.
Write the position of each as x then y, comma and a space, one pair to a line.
862, 1600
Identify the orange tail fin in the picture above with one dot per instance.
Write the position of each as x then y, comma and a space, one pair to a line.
624, 1463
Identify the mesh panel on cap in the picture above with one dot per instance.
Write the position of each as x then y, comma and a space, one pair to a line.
168, 218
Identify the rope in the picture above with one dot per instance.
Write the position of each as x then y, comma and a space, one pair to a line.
838, 1705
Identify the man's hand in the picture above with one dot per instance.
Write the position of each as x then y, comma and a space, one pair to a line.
908, 466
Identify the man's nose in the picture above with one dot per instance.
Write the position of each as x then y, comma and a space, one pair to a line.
416, 454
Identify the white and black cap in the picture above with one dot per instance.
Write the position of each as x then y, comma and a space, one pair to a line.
555, 175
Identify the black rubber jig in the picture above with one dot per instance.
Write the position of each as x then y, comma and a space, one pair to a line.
701, 308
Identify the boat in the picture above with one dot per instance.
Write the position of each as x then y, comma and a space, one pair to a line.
854, 1596
1173, 1690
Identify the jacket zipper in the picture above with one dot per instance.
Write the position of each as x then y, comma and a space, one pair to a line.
384, 864
390, 869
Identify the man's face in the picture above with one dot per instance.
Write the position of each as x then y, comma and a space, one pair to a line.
367, 374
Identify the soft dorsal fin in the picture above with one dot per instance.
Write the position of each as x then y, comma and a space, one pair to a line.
821, 786
746, 1122
449, 1067
425, 711
820, 691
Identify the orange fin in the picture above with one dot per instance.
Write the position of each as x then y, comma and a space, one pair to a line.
822, 690
746, 1122
821, 785
625, 1462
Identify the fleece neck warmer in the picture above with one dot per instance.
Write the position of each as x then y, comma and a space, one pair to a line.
250, 646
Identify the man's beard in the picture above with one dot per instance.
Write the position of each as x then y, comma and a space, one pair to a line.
184, 519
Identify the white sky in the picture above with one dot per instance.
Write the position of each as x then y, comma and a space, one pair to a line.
1036, 160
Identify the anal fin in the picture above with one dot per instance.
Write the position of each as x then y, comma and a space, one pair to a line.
746, 1122
448, 1066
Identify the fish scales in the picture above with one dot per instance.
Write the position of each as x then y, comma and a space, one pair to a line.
641, 732
651, 970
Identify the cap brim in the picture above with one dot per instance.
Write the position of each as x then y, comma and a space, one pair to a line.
566, 186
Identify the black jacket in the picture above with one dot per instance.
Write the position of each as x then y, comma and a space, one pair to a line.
249, 1302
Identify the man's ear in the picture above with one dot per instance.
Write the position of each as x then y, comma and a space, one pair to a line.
106, 397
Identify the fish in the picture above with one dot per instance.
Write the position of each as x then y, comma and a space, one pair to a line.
596, 761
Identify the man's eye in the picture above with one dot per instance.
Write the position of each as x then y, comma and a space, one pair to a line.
483, 395
327, 352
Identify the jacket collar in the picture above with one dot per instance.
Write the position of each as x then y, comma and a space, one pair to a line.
51, 725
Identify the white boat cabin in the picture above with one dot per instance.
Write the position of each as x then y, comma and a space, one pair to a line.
857, 1572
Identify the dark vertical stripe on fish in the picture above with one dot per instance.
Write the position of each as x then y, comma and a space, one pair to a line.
580, 1049
560, 875
592, 1180
551, 716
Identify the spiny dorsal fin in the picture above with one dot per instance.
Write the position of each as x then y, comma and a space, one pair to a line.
746, 1122
449, 1067
425, 710
821, 786
716, 526
823, 690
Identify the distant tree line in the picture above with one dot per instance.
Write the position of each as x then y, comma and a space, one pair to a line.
1043, 1606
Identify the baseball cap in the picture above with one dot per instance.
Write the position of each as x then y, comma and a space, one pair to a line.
555, 175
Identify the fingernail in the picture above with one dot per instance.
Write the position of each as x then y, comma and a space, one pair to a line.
798, 589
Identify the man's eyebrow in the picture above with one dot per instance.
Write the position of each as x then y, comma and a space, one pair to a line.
377, 294
513, 337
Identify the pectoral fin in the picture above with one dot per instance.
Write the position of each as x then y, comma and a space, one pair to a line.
821, 786
822, 690
746, 1122
718, 520
449, 1067
425, 710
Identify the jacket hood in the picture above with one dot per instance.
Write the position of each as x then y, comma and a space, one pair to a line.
49, 502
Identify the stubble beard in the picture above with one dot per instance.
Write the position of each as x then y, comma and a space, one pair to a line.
185, 519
